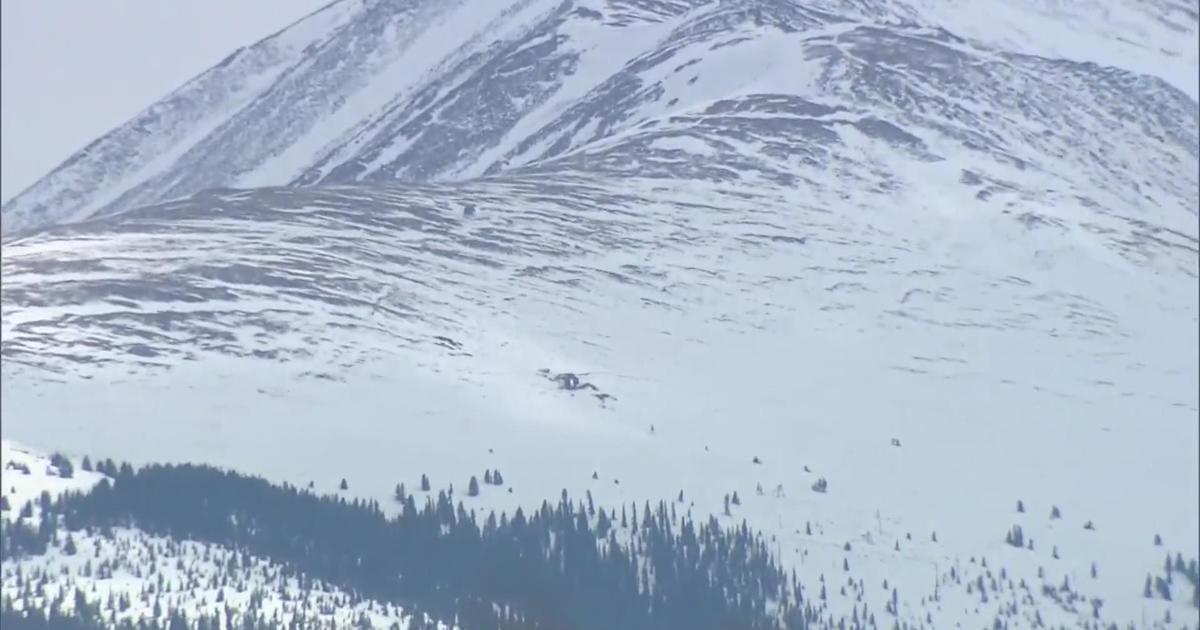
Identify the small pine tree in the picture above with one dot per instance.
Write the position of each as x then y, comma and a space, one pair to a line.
63, 465
487, 476
497, 478
343, 485
1015, 537
1157, 540
4, 506
1020, 506
69, 547
424, 483
735, 500
400, 492
1146, 592
1055, 513
86, 464
1164, 588
473, 487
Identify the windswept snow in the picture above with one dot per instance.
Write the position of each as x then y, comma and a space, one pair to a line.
853, 241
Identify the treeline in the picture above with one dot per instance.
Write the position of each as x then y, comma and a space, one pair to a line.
570, 565
58, 617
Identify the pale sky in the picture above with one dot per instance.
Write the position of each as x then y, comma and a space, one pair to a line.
71, 70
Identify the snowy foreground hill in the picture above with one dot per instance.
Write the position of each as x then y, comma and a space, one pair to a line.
911, 298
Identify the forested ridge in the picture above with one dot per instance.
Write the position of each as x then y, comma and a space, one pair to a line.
568, 565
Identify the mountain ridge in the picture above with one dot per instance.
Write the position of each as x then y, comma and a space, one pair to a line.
900, 287
407, 110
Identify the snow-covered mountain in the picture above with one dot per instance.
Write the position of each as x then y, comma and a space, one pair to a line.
420, 91
944, 264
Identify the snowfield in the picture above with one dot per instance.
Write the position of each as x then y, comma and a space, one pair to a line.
947, 271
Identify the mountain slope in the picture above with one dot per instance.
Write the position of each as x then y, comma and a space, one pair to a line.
392, 90
777, 242
380, 332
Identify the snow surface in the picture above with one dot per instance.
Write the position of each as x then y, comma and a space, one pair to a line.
1010, 365
803, 242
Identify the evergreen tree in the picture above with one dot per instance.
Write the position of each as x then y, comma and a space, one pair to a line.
473, 487
1015, 537
343, 485
424, 483
63, 465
